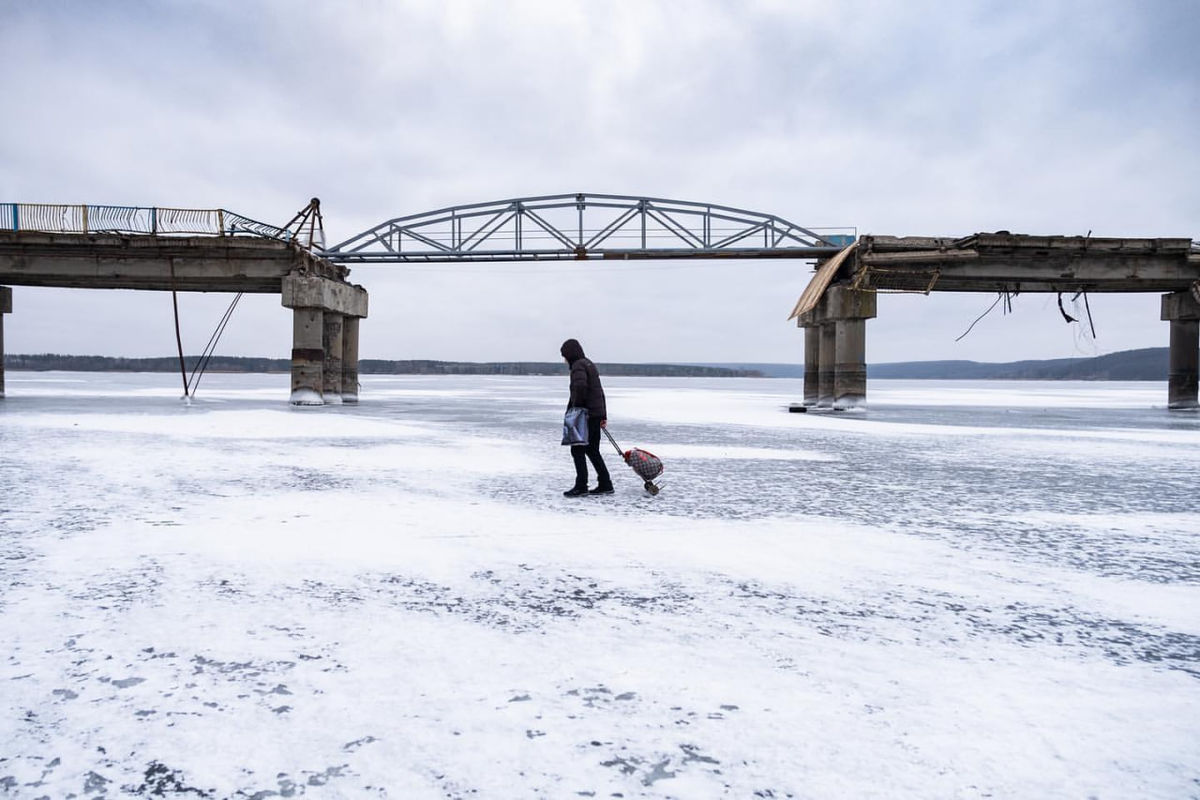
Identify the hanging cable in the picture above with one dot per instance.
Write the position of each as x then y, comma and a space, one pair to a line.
1063, 311
210, 348
1088, 308
178, 337
1000, 296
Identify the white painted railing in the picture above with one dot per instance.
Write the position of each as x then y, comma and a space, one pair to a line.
155, 221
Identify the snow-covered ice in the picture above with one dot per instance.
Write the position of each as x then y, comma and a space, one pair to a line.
971, 590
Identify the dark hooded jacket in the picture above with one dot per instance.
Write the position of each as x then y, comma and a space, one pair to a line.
586, 391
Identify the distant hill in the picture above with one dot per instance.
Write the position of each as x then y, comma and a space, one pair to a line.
367, 366
1148, 364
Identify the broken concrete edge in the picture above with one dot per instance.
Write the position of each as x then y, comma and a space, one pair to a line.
309, 291
1180, 306
827, 270
842, 302
839, 302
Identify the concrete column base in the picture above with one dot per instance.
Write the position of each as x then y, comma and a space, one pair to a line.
350, 360
331, 342
850, 369
308, 357
812, 364
847, 311
1182, 310
323, 310
5, 308
825, 369
1183, 376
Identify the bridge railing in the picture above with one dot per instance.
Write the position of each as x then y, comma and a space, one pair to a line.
152, 220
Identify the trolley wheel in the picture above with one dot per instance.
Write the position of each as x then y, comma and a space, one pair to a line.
650, 487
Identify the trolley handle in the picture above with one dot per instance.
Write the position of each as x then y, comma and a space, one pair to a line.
620, 452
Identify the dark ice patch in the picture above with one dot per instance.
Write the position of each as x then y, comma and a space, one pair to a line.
940, 618
159, 780
662, 766
529, 599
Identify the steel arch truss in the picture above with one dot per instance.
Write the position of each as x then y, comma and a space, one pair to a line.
586, 226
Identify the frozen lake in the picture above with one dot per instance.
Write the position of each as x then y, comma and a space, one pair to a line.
972, 590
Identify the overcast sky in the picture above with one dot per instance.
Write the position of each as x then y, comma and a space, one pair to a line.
903, 118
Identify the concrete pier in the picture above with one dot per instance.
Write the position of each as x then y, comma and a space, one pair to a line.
835, 348
812, 364
848, 311
5, 308
350, 360
850, 371
308, 357
323, 310
825, 366
1182, 310
332, 342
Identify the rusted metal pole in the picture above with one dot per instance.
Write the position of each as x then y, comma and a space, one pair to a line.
179, 342
178, 337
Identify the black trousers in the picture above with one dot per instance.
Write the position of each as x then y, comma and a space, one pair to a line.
582, 453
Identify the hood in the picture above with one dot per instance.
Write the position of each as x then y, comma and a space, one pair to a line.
571, 350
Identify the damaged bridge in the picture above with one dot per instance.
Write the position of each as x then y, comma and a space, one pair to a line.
842, 294
170, 249
195, 250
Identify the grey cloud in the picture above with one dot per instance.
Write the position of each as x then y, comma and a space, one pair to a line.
903, 118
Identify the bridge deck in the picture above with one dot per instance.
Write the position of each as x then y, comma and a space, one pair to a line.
994, 262
185, 263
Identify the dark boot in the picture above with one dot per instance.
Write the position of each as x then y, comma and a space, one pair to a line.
604, 488
575, 491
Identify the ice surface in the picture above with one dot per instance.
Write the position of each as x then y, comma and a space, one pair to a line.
971, 590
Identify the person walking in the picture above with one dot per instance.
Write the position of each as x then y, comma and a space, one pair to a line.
586, 392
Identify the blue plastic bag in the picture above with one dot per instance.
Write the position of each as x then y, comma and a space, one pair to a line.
575, 426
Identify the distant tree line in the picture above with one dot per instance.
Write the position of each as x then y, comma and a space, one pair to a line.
367, 366
54, 361
381, 367
1149, 364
